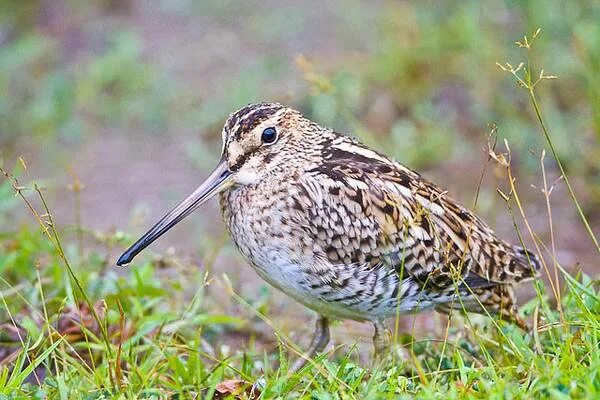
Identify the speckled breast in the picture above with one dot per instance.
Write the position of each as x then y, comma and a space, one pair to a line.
259, 221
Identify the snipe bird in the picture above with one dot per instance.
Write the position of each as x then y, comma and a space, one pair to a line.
347, 231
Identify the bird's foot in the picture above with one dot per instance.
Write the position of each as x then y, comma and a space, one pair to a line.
381, 343
318, 343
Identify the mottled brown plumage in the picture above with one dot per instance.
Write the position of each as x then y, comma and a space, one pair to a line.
345, 230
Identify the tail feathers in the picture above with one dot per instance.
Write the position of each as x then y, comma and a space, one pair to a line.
498, 300
528, 263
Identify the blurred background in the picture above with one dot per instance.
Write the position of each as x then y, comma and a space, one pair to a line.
116, 108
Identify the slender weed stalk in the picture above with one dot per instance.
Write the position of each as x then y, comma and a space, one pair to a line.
547, 191
77, 187
513, 197
527, 79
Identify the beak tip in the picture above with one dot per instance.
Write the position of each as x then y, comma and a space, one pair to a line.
124, 260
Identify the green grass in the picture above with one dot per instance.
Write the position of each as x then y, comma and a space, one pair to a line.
148, 340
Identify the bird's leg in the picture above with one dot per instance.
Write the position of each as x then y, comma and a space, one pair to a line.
317, 344
381, 340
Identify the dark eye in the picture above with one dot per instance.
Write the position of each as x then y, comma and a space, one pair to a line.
269, 135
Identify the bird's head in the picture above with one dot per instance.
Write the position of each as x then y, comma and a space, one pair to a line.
258, 140
262, 139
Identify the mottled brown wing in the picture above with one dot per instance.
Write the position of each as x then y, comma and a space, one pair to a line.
368, 209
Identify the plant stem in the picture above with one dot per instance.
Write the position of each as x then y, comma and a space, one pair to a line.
560, 166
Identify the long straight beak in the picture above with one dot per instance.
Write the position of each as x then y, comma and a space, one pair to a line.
219, 180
